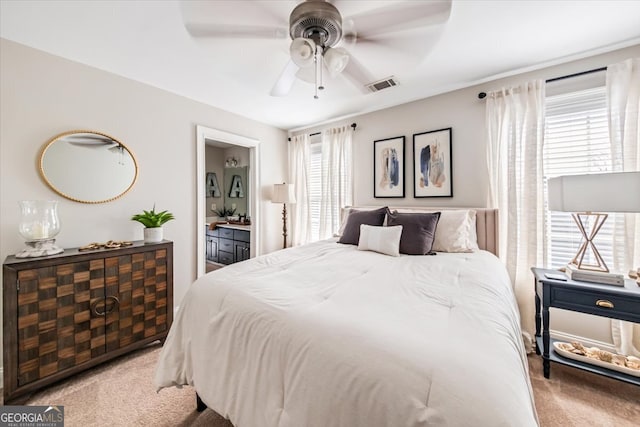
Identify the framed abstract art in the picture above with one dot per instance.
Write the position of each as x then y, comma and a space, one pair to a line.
388, 167
432, 164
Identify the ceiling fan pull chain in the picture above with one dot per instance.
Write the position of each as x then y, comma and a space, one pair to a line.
315, 69
319, 65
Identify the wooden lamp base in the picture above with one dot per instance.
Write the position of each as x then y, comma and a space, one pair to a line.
580, 219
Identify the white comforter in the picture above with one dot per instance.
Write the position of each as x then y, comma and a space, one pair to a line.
326, 335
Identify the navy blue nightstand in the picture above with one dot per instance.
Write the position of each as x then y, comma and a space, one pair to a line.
615, 302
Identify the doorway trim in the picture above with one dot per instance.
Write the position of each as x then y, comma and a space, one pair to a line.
202, 134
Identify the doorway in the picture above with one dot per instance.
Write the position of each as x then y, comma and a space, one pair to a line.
205, 135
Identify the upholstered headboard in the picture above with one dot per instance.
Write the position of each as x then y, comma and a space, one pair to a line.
487, 229
486, 223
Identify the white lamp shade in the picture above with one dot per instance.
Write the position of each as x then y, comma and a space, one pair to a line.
603, 192
283, 193
336, 60
302, 52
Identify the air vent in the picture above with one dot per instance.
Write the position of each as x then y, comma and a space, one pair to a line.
382, 84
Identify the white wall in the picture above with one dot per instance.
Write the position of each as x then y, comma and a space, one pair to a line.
465, 113
42, 95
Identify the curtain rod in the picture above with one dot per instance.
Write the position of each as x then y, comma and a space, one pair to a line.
353, 125
482, 95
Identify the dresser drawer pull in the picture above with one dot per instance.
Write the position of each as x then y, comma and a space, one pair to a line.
103, 306
604, 303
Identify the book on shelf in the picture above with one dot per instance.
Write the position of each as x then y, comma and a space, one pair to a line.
591, 276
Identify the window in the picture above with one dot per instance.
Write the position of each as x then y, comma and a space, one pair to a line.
577, 142
321, 168
330, 186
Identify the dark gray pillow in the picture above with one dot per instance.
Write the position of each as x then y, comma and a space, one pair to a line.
418, 231
351, 233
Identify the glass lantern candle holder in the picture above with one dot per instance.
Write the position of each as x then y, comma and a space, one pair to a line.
39, 224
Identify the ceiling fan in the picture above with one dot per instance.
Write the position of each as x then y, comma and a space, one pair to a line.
321, 37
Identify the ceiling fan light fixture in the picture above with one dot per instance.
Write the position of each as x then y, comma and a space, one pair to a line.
336, 60
318, 18
302, 52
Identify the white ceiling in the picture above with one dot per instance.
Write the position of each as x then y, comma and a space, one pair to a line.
146, 40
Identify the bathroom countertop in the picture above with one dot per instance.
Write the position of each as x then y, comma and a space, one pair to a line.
234, 226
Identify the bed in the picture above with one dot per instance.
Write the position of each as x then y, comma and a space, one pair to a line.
326, 334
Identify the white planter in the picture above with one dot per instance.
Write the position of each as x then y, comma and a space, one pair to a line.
153, 235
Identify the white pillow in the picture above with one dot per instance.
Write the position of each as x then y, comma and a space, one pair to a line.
456, 230
385, 240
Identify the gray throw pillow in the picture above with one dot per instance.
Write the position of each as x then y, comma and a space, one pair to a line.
418, 231
351, 233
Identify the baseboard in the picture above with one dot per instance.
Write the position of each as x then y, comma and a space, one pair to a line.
563, 336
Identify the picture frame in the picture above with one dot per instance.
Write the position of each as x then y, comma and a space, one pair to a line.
432, 164
388, 167
213, 189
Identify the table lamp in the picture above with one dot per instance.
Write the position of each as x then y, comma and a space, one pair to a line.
589, 197
283, 193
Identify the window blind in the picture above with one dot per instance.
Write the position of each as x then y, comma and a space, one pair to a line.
577, 142
315, 186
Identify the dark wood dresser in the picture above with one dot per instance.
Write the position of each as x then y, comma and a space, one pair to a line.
68, 312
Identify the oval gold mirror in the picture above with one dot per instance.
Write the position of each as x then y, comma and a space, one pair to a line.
88, 167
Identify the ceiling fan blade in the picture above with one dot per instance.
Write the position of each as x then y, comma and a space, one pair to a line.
236, 31
394, 52
87, 140
358, 75
400, 16
285, 81
234, 19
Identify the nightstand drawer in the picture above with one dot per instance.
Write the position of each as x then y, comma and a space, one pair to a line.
598, 303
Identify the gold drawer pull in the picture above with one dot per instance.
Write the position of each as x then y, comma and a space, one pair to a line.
604, 303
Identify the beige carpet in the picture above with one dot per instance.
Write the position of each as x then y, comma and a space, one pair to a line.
121, 393
572, 397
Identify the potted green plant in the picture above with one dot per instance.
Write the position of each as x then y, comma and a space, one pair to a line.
153, 222
225, 213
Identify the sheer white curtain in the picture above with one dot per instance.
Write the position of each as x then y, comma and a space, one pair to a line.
337, 183
623, 103
299, 174
515, 129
